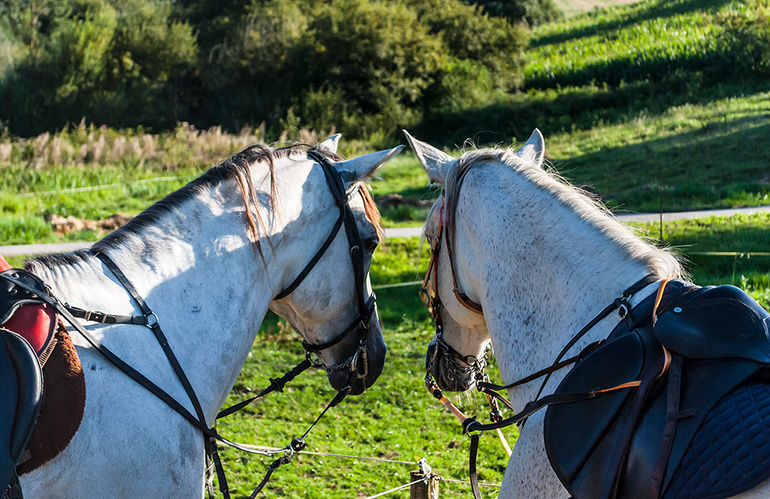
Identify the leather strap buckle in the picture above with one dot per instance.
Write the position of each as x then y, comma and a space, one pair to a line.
96, 316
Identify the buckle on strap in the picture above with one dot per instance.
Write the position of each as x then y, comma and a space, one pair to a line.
96, 316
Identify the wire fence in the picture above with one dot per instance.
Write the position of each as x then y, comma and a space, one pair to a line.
381, 460
100, 187
734, 254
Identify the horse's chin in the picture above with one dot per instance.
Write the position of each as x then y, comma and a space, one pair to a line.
375, 352
451, 382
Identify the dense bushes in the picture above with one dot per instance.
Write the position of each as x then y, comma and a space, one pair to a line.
361, 66
445, 68
534, 12
125, 64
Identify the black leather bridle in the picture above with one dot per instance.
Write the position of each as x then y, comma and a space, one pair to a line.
357, 362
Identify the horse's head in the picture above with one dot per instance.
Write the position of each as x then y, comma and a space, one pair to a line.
454, 294
326, 294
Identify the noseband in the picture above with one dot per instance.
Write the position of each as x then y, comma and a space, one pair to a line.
358, 362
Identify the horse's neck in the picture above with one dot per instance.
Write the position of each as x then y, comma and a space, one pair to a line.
542, 273
202, 279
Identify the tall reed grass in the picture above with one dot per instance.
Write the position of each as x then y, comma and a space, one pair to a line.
185, 146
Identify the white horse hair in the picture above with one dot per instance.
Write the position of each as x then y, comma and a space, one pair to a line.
209, 260
541, 258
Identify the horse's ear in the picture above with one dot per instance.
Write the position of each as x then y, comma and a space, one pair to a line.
363, 167
436, 163
331, 143
534, 149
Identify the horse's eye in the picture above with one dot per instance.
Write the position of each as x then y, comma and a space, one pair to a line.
371, 244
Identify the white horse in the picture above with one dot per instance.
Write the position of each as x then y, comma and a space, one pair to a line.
540, 258
209, 260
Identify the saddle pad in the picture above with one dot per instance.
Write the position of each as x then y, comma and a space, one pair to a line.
64, 399
730, 453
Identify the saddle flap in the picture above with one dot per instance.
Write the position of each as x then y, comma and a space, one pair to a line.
20, 395
572, 431
720, 322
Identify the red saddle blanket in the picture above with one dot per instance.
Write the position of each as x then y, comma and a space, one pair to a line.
35, 322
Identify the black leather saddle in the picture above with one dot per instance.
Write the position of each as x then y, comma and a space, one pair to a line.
21, 379
21, 392
628, 443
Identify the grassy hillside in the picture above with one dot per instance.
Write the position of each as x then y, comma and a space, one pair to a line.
647, 102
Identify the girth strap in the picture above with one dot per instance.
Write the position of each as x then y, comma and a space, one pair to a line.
669, 429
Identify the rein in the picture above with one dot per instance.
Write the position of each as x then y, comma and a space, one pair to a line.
357, 362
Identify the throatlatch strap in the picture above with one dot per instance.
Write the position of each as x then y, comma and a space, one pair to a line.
329, 239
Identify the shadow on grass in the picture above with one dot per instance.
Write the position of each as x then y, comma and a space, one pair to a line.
721, 164
571, 109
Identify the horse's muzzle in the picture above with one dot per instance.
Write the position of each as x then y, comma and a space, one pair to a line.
366, 363
446, 370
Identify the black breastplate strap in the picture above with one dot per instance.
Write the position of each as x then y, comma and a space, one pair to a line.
198, 422
210, 433
152, 323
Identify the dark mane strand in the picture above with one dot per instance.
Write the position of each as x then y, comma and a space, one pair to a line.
57, 259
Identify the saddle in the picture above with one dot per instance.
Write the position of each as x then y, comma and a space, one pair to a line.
633, 442
28, 337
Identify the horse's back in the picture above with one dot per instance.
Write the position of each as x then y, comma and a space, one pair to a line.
702, 430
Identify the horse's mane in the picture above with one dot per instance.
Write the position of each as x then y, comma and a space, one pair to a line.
236, 167
659, 261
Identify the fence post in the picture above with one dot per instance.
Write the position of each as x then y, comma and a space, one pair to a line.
427, 488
